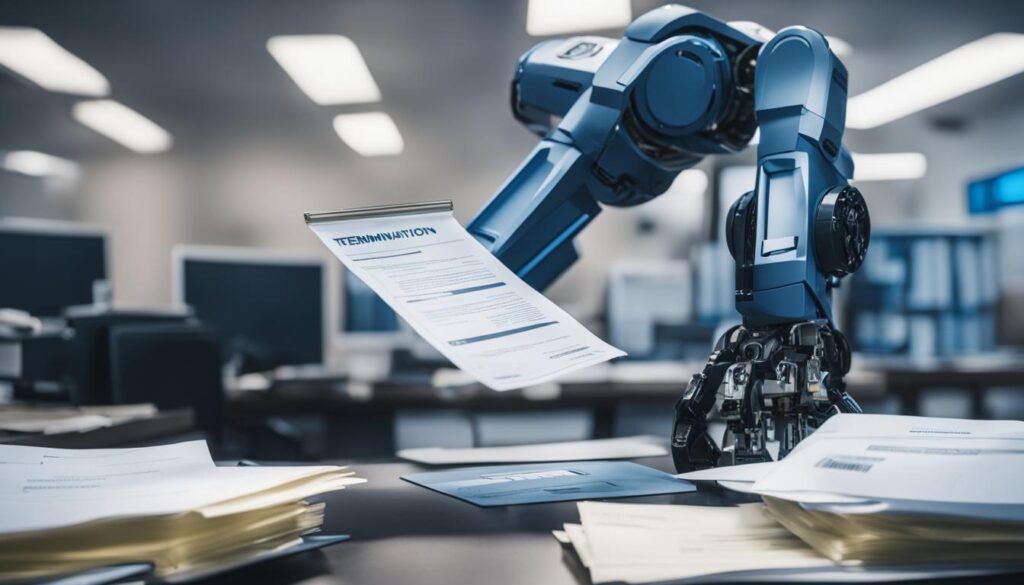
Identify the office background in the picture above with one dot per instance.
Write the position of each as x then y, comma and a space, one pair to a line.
251, 152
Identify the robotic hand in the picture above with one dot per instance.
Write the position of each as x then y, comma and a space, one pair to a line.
620, 119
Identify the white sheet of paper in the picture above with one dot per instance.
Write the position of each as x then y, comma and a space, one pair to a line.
954, 470
463, 300
49, 488
618, 448
578, 539
911, 427
750, 472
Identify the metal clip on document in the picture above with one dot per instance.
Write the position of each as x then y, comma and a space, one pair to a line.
392, 210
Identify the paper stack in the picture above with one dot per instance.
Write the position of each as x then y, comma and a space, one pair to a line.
896, 489
639, 543
67, 510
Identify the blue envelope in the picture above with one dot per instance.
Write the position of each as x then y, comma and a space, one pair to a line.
507, 485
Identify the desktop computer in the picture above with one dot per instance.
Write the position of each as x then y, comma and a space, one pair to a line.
363, 311
268, 308
47, 266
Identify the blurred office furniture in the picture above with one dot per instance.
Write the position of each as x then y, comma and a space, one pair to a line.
35, 364
141, 428
47, 266
925, 293
352, 418
996, 192
269, 309
172, 366
911, 380
650, 311
370, 419
90, 346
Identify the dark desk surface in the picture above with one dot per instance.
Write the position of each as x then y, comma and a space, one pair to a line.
163, 427
402, 533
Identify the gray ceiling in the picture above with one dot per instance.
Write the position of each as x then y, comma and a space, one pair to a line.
200, 68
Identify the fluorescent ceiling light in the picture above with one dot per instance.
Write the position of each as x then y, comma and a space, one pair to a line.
890, 166
122, 124
552, 17
36, 57
370, 133
960, 71
328, 68
38, 164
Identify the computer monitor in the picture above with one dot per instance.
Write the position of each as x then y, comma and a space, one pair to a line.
363, 311
267, 306
993, 193
47, 266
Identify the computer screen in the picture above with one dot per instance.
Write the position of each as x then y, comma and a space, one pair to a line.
268, 310
994, 193
47, 266
363, 311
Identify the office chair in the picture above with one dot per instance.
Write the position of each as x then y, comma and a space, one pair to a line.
171, 366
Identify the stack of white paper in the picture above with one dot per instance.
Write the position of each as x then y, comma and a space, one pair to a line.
66, 510
880, 488
638, 543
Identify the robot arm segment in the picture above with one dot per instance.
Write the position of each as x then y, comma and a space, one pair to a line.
620, 120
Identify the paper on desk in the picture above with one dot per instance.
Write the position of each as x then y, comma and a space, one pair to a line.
750, 472
49, 488
462, 299
578, 539
915, 427
508, 485
637, 543
931, 475
618, 448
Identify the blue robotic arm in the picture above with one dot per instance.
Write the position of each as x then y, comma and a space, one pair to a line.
620, 119
631, 114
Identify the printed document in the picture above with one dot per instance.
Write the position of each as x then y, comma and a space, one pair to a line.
905, 464
462, 299
508, 485
43, 488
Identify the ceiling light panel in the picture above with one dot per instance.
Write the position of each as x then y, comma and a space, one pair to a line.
552, 17
965, 69
123, 125
370, 133
38, 164
38, 58
328, 68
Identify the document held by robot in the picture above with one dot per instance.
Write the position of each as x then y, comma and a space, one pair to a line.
462, 299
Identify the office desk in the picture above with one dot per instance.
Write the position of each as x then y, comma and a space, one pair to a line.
165, 426
905, 378
403, 533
